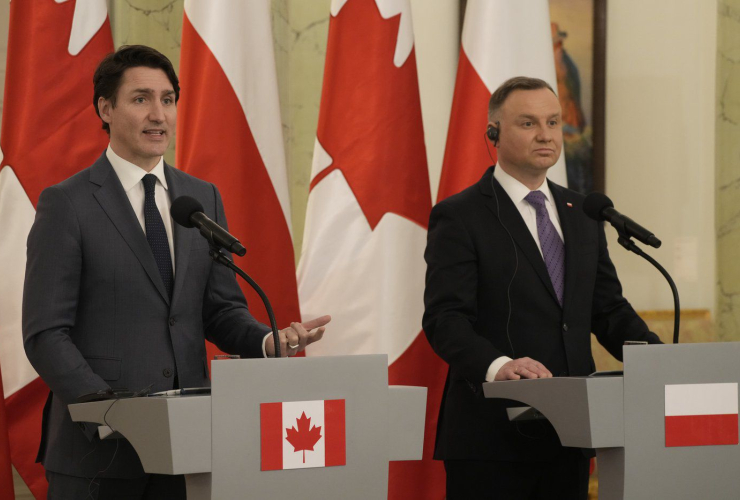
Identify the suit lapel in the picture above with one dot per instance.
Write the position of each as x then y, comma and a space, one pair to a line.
512, 219
566, 214
183, 236
117, 206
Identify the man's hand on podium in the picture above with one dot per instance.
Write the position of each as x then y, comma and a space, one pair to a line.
522, 368
297, 336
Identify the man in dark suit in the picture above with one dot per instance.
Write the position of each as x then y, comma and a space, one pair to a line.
117, 295
518, 278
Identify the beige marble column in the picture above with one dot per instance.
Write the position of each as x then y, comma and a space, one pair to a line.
728, 170
300, 30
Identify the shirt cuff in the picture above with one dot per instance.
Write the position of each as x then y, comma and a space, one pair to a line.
264, 341
495, 367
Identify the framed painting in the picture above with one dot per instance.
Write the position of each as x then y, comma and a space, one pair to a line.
579, 43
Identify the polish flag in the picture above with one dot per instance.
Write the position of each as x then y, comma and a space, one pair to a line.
229, 133
501, 39
701, 414
302, 434
49, 132
368, 210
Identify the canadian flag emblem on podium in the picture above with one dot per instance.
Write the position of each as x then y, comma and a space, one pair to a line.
701, 414
302, 434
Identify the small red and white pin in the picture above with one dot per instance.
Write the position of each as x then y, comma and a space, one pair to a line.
569, 205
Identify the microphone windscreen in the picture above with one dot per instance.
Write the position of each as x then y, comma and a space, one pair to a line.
182, 208
594, 205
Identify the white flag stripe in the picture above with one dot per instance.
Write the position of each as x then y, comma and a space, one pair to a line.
505, 38
88, 18
292, 411
249, 29
16, 218
701, 399
372, 312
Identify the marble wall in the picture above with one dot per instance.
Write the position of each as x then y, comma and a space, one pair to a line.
727, 168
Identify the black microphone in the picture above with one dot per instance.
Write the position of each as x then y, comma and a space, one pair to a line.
188, 212
599, 207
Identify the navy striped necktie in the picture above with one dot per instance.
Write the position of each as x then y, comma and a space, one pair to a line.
156, 234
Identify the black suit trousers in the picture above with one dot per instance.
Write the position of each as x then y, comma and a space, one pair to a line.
565, 478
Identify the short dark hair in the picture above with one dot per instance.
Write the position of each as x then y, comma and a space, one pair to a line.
517, 83
109, 73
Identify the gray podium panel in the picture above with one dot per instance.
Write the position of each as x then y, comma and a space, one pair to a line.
170, 435
405, 435
586, 412
652, 470
239, 386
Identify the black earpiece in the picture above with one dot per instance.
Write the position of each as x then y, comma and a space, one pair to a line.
493, 133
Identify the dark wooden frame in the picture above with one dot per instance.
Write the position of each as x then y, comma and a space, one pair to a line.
599, 96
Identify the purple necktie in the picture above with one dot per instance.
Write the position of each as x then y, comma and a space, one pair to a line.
553, 250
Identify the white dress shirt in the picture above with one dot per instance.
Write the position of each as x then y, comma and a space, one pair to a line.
131, 179
517, 192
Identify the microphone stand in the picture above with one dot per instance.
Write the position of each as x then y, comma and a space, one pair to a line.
627, 243
217, 256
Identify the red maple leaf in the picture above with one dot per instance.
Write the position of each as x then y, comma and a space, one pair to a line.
370, 118
303, 439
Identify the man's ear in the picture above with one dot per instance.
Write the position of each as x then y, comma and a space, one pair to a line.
104, 108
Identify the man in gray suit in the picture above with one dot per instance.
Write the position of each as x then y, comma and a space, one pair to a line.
117, 296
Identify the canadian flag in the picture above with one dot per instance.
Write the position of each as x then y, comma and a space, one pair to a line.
302, 434
368, 210
229, 133
49, 132
501, 39
701, 414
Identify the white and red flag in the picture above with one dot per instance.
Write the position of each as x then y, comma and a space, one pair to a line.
701, 414
501, 39
302, 434
229, 133
49, 132
362, 259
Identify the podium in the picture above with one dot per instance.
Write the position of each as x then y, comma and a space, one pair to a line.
626, 419
219, 441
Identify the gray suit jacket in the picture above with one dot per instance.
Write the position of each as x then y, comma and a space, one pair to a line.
96, 313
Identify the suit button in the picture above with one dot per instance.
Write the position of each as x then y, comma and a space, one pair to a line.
565, 327
83, 427
167, 372
172, 322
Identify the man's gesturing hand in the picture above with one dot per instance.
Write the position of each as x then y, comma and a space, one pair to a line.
522, 368
297, 336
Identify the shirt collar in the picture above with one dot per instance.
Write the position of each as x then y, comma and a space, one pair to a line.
129, 174
515, 189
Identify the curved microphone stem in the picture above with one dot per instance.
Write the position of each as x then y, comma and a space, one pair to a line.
627, 243
222, 259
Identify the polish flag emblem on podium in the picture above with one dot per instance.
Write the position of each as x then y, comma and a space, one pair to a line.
701, 414
302, 434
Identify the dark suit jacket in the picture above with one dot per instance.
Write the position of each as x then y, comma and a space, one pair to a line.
96, 313
472, 262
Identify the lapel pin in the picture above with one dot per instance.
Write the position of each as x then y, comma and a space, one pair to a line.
570, 205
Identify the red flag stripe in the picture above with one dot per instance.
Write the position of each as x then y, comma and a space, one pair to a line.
334, 433
271, 435
701, 430
466, 157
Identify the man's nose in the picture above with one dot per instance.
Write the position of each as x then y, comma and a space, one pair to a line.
156, 112
544, 134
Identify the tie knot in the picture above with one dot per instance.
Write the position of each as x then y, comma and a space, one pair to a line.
536, 199
149, 180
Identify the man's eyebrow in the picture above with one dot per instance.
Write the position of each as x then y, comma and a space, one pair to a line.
151, 91
532, 117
